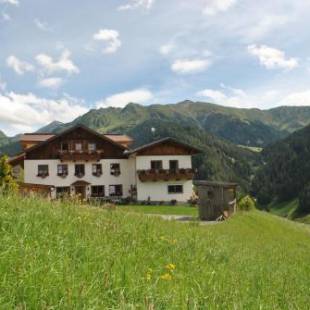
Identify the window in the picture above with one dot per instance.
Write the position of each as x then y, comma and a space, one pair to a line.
115, 169
61, 192
97, 191
78, 147
116, 190
62, 170
64, 146
91, 147
79, 171
97, 169
173, 165
175, 189
156, 164
43, 171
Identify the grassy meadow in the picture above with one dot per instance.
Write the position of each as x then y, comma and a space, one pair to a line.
61, 256
164, 210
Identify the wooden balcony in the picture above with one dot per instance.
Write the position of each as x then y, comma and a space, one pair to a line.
165, 175
80, 155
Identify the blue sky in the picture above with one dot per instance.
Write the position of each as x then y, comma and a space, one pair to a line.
60, 58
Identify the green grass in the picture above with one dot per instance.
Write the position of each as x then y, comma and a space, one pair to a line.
285, 209
60, 256
173, 210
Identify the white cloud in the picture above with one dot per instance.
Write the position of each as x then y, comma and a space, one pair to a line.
111, 39
41, 25
31, 111
265, 25
6, 17
120, 100
2, 84
166, 49
301, 98
135, 4
19, 66
272, 58
229, 96
64, 63
187, 66
13, 2
52, 83
215, 95
212, 7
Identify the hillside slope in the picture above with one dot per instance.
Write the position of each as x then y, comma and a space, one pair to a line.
62, 256
250, 127
286, 170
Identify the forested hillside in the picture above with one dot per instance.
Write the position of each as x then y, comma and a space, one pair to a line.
286, 171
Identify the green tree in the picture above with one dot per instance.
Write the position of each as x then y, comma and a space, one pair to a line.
304, 200
7, 182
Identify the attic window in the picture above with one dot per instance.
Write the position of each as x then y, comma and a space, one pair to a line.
92, 147
64, 146
78, 147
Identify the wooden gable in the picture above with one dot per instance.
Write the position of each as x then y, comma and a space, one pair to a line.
51, 149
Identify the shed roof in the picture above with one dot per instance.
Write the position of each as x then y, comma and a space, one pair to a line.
215, 183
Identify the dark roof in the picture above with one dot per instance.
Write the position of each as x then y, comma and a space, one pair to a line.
168, 139
71, 129
215, 183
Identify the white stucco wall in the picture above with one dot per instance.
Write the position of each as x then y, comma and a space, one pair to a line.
126, 178
144, 162
158, 191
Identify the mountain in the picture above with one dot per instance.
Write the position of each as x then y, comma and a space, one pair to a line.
51, 127
3, 138
286, 169
250, 127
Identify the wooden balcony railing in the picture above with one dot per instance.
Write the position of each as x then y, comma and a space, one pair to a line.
80, 155
165, 175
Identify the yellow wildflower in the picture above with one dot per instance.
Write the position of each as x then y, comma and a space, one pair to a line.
166, 277
170, 267
148, 275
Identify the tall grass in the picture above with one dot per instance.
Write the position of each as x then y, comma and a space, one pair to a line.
58, 256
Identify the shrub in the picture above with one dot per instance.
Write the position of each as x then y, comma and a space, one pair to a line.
246, 203
7, 182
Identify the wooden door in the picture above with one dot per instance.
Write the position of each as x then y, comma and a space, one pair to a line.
81, 191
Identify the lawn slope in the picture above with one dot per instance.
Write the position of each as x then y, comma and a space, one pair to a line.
59, 256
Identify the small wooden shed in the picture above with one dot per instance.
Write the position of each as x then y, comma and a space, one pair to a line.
216, 199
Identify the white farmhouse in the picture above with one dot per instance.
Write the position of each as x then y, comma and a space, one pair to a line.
82, 161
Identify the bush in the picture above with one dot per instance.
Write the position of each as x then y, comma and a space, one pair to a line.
246, 203
304, 200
